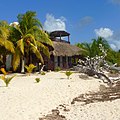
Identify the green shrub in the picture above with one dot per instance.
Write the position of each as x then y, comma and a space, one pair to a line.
30, 68
37, 80
68, 73
4, 78
57, 69
7, 79
42, 73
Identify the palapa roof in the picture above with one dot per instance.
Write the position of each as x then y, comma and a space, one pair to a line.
65, 49
59, 33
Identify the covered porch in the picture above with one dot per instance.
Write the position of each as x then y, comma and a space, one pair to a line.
64, 56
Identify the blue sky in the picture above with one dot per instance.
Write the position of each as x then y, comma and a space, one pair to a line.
83, 19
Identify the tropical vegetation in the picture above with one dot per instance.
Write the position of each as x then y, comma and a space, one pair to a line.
68, 74
6, 79
29, 38
37, 80
6, 46
27, 43
24, 40
30, 68
92, 49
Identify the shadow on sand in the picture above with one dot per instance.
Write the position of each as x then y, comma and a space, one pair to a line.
104, 94
54, 116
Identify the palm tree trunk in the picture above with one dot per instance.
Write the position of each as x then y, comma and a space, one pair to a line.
23, 65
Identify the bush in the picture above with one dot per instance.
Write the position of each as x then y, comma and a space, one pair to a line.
7, 79
57, 69
37, 80
68, 73
30, 68
4, 78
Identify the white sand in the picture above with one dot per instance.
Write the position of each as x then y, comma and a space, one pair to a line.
25, 99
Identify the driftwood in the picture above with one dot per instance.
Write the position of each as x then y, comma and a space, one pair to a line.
96, 66
115, 68
106, 93
42, 67
102, 76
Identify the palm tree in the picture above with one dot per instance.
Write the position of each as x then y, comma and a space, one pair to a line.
92, 49
29, 37
87, 51
96, 43
6, 46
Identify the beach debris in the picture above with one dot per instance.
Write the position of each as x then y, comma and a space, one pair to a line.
95, 66
106, 93
41, 70
54, 116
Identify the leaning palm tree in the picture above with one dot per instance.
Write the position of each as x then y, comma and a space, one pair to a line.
6, 46
29, 37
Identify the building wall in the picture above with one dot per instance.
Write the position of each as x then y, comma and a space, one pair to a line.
8, 62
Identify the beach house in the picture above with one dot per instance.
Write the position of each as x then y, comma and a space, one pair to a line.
64, 54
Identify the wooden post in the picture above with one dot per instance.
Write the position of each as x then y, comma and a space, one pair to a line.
68, 39
60, 37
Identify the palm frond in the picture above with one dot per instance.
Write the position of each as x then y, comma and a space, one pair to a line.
4, 33
44, 38
36, 52
31, 37
43, 49
33, 29
9, 46
17, 28
3, 71
20, 45
1, 42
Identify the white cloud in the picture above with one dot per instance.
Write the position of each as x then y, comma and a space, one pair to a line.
113, 46
113, 38
85, 21
104, 32
52, 24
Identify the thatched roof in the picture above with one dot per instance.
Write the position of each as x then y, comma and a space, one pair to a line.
59, 33
65, 49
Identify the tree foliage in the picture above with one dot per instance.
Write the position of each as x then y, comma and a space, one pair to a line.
6, 46
92, 49
29, 38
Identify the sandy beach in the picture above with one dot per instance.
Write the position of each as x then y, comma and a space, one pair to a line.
24, 99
